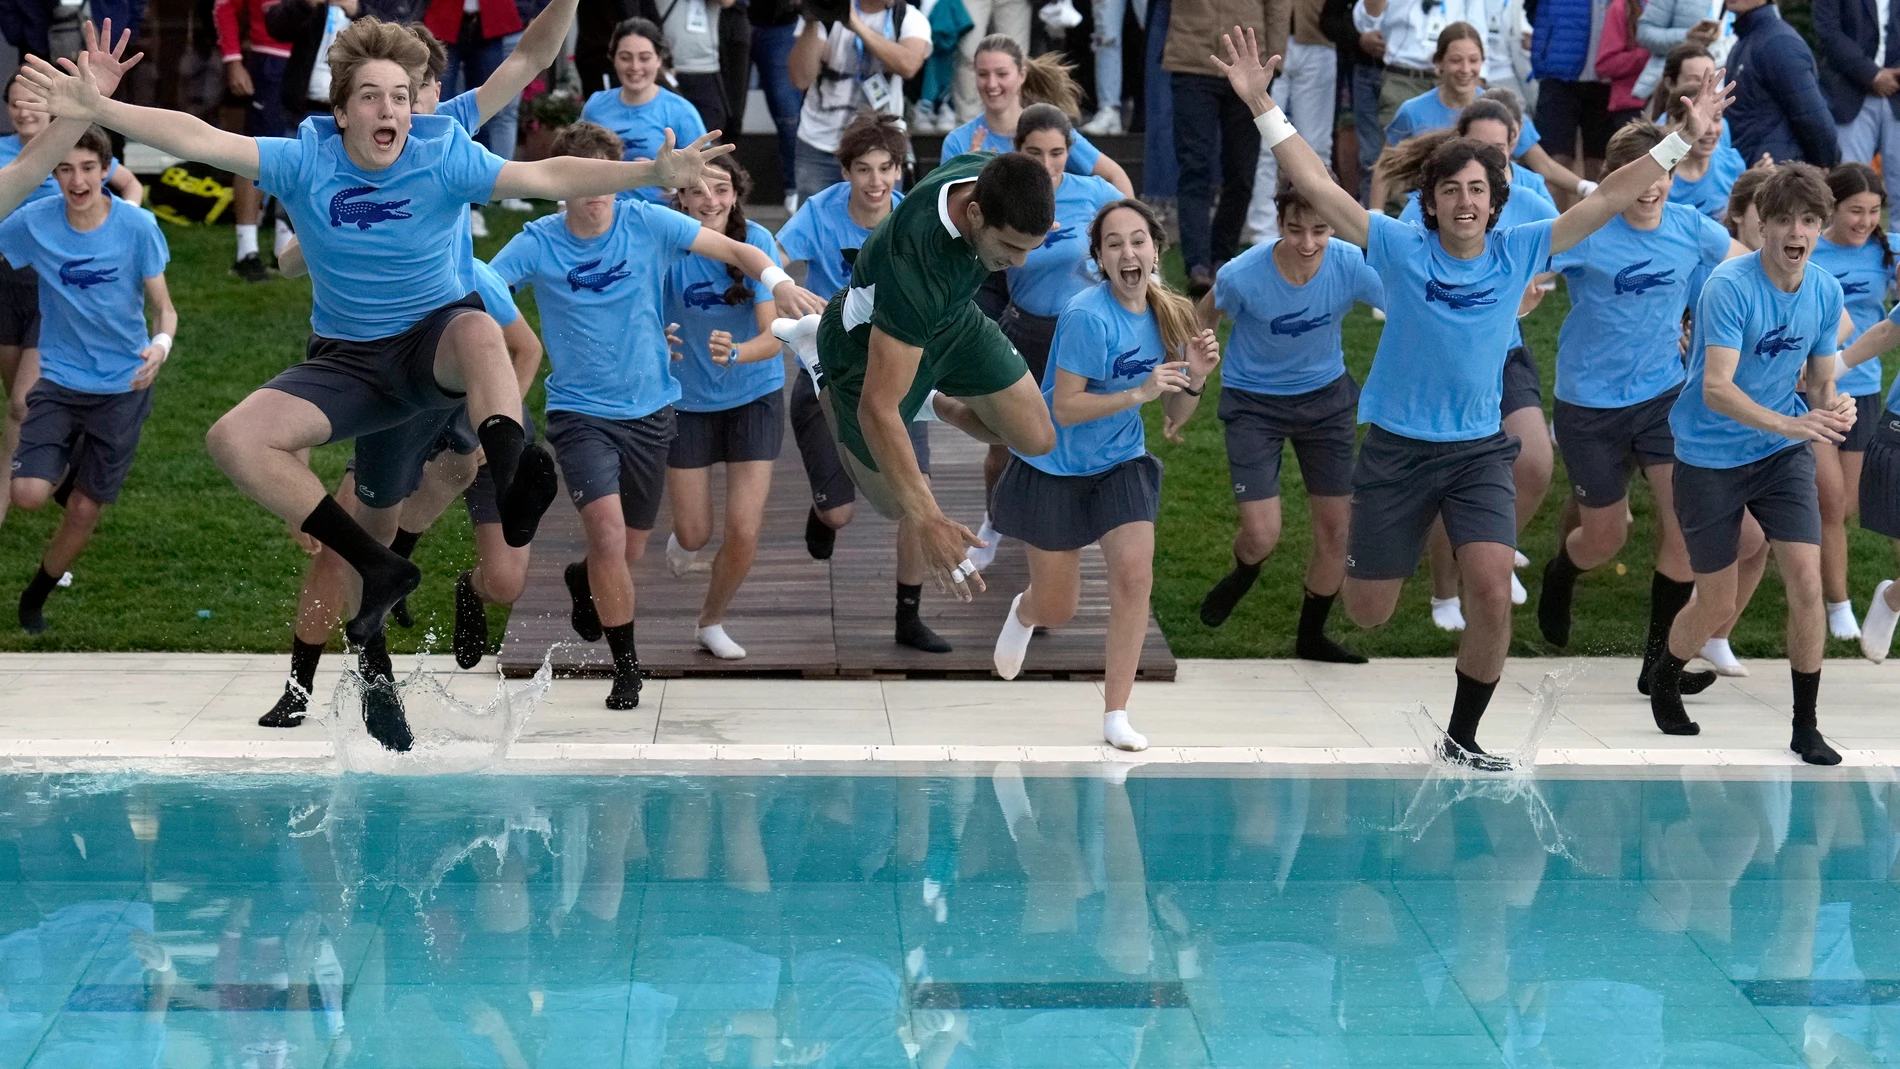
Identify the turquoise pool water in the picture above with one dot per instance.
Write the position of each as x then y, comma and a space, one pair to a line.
989, 919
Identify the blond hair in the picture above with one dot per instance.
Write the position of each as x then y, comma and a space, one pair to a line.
367, 40
1174, 314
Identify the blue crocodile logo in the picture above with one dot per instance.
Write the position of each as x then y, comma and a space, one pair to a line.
1130, 366
1852, 289
1442, 292
74, 273
1057, 236
578, 278
1632, 279
346, 209
702, 295
1776, 342
634, 148
1292, 325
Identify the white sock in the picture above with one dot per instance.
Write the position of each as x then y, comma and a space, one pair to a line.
679, 559
1840, 619
714, 640
247, 240
984, 556
1012, 643
1448, 614
1717, 652
282, 239
1518, 594
1876, 637
1521, 562
1119, 735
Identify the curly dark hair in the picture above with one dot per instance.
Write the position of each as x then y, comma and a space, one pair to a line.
1451, 157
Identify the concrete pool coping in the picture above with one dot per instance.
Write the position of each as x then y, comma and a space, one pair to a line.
195, 712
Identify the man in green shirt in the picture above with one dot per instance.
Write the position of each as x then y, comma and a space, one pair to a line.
906, 329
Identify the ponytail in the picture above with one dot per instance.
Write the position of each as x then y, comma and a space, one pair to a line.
1046, 78
1173, 313
1403, 165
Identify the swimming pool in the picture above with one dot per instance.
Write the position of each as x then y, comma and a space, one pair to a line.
990, 916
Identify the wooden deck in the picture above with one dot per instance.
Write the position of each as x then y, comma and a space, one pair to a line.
800, 617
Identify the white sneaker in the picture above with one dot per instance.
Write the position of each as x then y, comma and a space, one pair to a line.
66, 579
1716, 651
679, 559
791, 202
1840, 620
1518, 594
1119, 735
516, 204
1059, 15
923, 120
1876, 635
1012, 643
714, 640
947, 117
984, 556
801, 337
477, 226
1107, 122
1378, 315
1448, 614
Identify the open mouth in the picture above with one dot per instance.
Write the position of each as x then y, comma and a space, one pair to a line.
1793, 252
1648, 200
384, 136
1131, 275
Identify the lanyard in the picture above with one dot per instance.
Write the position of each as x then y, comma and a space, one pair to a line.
860, 41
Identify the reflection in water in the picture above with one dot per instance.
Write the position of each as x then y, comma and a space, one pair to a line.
998, 917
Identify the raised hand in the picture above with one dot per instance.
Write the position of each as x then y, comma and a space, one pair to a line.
54, 92
679, 167
108, 70
1712, 98
1249, 77
1203, 353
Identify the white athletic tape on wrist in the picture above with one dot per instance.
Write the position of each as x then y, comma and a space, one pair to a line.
772, 276
1274, 127
1671, 151
163, 341
927, 412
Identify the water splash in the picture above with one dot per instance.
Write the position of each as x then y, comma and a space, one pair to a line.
451, 735
1448, 782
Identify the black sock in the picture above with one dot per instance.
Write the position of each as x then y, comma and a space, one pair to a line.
33, 599
404, 543
820, 538
581, 616
626, 689
1553, 599
911, 629
1667, 597
502, 440
387, 578
303, 661
471, 623
64, 492
1219, 603
291, 704
372, 661
1467, 708
1312, 643
1807, 740
1665, 696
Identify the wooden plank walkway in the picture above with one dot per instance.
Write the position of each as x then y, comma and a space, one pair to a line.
800, 617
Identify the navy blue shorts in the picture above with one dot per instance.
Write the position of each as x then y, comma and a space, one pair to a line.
1778, 490
602, 457
367, 386
95, 433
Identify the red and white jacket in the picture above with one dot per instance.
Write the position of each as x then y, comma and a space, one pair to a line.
240, 25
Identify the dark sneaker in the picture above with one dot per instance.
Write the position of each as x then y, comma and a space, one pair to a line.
251, 269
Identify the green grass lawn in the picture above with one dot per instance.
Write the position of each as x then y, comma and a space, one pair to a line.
182, 541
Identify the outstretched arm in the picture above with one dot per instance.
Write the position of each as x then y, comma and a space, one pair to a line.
20, 178
561, 177
793, 299
78, 97
539, 47
1621, 189
1879, 338
1251, 80
1824, 422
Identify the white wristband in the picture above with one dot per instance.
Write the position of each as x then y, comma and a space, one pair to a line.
1274, 127
1585, 187
772, 276
163, 341
1671, 151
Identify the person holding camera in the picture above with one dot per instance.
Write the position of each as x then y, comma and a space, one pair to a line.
850, 55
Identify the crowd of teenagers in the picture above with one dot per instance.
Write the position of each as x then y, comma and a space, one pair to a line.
1015, 294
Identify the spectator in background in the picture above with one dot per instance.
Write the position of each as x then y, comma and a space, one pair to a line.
1664, 25
1572, 98
844, 66
774, 27
478, 35
692, 35
1213, 126
1778, 105
735, 62
1307, 90
1854, 36
1107, 42
1408, 32
27, 26
1505, 35
309, 26
254, 64
1367, 52
1007, 17
1622, 59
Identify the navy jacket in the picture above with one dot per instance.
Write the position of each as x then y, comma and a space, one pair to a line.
1849, 35
1778, 105
1560, 38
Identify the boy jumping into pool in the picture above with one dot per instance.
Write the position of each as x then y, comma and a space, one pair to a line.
101, 262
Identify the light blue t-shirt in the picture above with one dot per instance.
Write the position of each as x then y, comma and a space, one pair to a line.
642, 127
696, 300
1893, 395
1523, 207
495, 294
10, 149
601, 304
819, 233
1425, 112
1776, 333
1082, 155
1709, 194
1621, 343
1523, 177
374, 239
1865, 282
1286, 338
1058, 269
464, 109
1438, 374
1115, 350
92, 289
